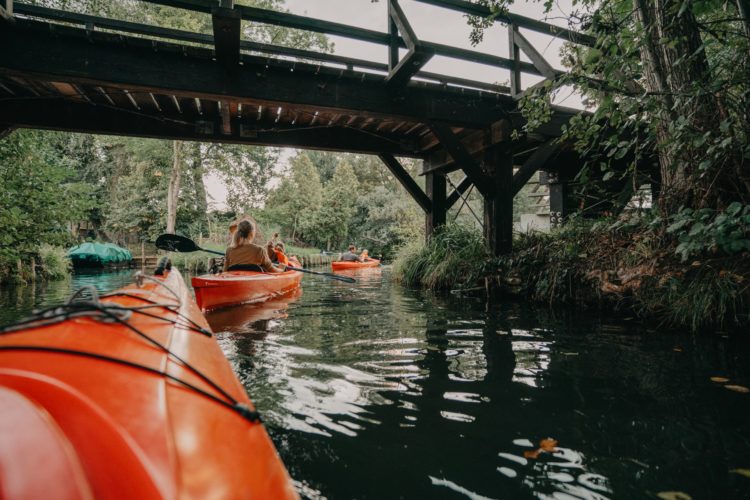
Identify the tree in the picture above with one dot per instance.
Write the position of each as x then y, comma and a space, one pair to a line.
294, 204
173, 191
39, 196
339, 198
692, 61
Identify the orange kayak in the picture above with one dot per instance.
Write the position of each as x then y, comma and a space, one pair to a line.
340, 265
242, 287
129, 396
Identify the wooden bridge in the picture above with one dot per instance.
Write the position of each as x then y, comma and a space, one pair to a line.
69, 71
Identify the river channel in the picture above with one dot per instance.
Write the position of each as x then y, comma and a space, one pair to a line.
375, 391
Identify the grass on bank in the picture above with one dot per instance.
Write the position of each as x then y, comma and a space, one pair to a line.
632, 266
453, 257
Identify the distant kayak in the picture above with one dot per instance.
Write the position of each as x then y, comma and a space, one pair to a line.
340, 265
243, 287
128, 396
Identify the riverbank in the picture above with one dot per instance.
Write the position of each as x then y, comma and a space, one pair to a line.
45, 263
637, 269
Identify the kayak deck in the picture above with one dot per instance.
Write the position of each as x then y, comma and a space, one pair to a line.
230, 288
339, 265
129, 396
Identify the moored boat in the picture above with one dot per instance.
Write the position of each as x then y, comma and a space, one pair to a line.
94, 254
340, 265
243, 287
128, 396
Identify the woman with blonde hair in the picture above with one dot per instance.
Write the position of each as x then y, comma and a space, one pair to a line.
244, 255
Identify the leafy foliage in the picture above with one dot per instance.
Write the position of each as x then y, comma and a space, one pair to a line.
39, 196
708, 231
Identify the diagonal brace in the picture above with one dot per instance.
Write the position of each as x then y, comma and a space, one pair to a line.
536, 161
458, 191
406, 180
537, 59
417, 55
461, 156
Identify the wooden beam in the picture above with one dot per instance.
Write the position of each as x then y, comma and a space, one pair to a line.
264, 48
226, 117
144, 65
80, 116
498, 206
537, 59
226, 25
408, 67
406, 181
475, 143
462, 157
436, 217
476, 9
456, 194
536, 161
294, 21
515, 56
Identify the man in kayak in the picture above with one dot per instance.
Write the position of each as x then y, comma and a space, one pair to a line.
351, 255
244, 255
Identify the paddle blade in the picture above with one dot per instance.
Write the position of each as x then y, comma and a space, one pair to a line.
176, 243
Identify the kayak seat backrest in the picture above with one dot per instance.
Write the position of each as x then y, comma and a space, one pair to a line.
246, 267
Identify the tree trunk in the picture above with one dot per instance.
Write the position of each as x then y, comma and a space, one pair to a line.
200, 186
676, 69
173, 191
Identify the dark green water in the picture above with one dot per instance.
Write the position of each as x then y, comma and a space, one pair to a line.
373, 391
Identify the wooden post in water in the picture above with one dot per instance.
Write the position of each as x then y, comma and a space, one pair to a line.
436, 191
498, 206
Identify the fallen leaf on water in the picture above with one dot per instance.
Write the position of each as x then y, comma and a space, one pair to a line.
532, 454
742, 472
548, 444
737, 388
720, 380
673, 495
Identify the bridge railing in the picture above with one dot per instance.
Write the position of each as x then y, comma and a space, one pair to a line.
400, 35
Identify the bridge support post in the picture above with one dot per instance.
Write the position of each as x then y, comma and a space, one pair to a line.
498, 205
436, 191
558, 191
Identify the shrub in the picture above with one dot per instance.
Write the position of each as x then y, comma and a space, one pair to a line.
454, 256
53, 263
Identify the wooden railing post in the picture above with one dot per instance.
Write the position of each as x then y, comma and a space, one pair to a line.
514, 54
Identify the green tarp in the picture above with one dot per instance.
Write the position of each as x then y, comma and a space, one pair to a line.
99, 253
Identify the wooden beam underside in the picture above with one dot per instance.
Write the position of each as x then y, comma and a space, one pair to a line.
77, 116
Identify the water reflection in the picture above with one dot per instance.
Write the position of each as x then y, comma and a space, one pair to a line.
372, 391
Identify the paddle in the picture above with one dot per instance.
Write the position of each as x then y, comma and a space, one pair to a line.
177, 243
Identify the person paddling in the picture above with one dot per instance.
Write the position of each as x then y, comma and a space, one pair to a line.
365, 256
351, 255
244, 255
